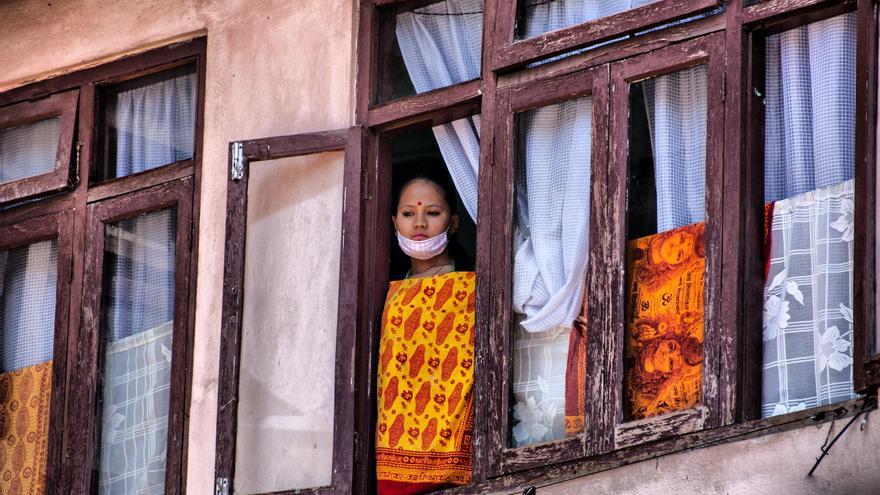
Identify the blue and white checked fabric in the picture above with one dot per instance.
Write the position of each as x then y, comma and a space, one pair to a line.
552, 229
808, 302
155, 123
28, 281
136, 398
140, 262
28, 150
438, 51
677, 114
809, 106
543, 17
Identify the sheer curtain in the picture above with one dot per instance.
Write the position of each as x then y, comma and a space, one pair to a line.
441, 46
28, 278
677, 116
155, 122
29, 149
809, 161
542, 16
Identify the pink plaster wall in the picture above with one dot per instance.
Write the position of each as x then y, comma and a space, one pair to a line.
273, 67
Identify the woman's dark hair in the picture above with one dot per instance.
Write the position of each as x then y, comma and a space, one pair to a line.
428, 169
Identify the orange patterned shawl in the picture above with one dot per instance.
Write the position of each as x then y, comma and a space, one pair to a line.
664, 334
424, 426
25, 396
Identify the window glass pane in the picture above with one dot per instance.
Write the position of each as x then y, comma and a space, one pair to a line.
28, 277
28, 150
288, 346
136, 340
809, 159
665, 247
551, 251
434, 46
147, 122
540, 16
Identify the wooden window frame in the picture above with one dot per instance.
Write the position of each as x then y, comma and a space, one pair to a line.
377, 32
718, 382
61, 105
351, 142
71, 443
162, 197
511, 53
58, 226
727, 36
595, 83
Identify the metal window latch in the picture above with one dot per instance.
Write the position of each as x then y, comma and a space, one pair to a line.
221, 487
237, 161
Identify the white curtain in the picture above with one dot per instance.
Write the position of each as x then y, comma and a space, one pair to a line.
809, 107
441, 46
29, 150
677, 114
28, 280
809, 161
542, 16
155, 123
136, 398
141, 255
808, 306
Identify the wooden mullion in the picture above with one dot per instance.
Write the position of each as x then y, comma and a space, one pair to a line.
180, 342
511, 54
736, 246
866, 362
432, 108
499, 325
753, 218
484, 361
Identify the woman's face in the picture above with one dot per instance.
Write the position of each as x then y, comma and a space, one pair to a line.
422, 212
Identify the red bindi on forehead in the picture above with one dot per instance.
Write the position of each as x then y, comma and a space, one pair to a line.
419, 203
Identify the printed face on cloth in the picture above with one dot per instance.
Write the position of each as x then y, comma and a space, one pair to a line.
422, 212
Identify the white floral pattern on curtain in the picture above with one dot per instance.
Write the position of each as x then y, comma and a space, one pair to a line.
808, 302
809, 160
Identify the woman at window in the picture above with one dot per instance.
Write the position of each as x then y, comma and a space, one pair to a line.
424, 423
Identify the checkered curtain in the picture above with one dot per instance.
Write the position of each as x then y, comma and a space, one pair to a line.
136, 397
809, 161
28, 150
542, 16
441, 46
677, 115
155, 122
809, 106
28, 280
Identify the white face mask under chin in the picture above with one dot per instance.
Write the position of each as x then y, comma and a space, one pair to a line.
423, 250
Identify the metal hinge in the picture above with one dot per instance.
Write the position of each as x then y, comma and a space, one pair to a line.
237, 161
76, 169
221, 486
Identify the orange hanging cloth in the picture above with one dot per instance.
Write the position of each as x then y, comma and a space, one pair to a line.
25, 396
664, 329
426, 376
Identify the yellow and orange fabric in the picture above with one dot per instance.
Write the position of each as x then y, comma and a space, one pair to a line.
576, 376
25, 396
664, 334
426, 358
